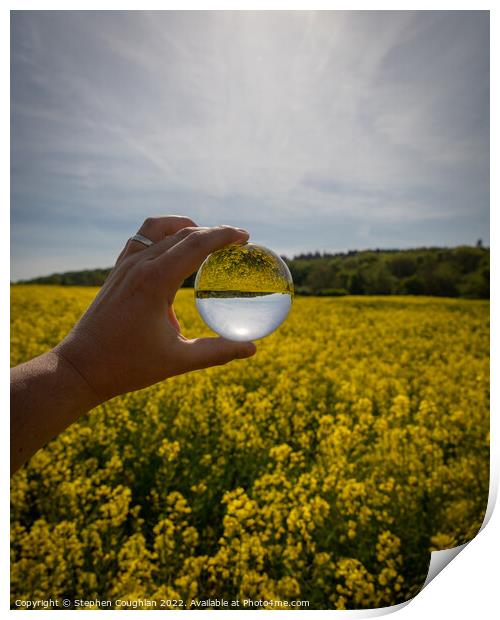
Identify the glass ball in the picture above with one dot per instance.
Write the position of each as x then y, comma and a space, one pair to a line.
244, 291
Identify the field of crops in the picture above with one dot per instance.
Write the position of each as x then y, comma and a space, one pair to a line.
324, 469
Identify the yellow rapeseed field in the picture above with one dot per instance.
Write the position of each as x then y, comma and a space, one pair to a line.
324, 469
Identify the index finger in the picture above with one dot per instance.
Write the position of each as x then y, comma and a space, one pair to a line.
186, 256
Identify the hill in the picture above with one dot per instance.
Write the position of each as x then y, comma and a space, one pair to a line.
463, 271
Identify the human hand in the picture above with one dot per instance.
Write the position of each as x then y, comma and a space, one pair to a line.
129, 337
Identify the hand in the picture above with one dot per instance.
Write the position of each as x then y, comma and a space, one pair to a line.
129, 337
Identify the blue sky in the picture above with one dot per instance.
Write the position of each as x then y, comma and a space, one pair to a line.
313, 130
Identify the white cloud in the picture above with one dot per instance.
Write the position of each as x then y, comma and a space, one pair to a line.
230, 109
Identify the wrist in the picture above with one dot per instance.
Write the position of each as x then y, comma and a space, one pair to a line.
86, 396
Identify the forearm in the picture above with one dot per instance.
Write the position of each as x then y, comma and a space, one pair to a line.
47, 395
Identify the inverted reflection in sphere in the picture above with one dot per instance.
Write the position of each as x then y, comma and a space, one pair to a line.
244, 292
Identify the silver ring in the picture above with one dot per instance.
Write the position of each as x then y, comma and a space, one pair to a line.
142, 239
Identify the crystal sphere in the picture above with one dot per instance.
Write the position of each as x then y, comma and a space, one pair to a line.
244, 291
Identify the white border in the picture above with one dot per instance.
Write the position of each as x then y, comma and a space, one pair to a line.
469, 585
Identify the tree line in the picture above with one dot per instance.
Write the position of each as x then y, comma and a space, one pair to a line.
463, 271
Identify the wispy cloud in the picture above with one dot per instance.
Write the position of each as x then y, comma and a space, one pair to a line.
314, 129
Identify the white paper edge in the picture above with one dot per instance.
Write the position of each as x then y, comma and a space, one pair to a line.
441, 559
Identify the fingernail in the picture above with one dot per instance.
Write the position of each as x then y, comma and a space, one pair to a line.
242, 230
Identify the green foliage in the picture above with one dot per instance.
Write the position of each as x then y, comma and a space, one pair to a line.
463, 271
87, 277
444, 272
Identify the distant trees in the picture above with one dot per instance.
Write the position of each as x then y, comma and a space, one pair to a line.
87, 277
446, 272
463, 271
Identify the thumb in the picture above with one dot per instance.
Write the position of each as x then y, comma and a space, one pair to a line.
205, 352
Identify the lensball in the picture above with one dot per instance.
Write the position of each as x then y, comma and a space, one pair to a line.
244, 291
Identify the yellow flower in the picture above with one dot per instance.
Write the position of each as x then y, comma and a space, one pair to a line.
299, 474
